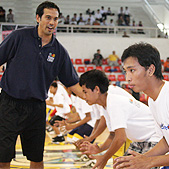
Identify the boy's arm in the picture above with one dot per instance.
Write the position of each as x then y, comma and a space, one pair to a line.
114, 142
81, 122
74, 117
99, 127
153, 158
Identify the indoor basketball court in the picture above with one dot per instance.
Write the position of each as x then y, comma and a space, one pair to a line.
56, 156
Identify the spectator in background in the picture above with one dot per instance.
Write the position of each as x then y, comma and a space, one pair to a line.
166, 65
127, 16
121, 13
103, 13
166, 35
92, 19
74, 17
111, 22
88, 22
111, 30
73, 21
140, 31
133, 30
125, 35
88, 12
104, 23
67, 20
109, 12
98, 15
120, 21
2, 14
97, 60
61, 19
113, 59
80, 18
10, 16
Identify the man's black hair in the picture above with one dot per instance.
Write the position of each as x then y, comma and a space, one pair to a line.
94, 78
48, 5
146, 55
54, 84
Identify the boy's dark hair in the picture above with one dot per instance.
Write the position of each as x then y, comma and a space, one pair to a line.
95, 78
146, 55
54, 84
48, 5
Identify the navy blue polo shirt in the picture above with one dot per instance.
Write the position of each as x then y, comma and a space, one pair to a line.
31, 68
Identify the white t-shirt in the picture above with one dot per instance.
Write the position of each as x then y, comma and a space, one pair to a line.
82, 107
112, 90
60, 98
64, 93
160, 110
119, 91
134, 116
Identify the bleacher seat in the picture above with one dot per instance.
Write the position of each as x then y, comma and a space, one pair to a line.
87, 61
90, 68
99, 68
166, 77
112, 77
78, 61
104, 62
117, 68
162, 61
107, 69
121, 78
119, 61
81, 69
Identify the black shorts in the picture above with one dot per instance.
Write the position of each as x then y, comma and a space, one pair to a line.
25, 118
52, 120
82, 130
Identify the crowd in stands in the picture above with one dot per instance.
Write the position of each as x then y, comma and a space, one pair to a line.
99, 17
6, 18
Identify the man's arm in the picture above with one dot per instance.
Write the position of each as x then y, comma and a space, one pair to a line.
77, 89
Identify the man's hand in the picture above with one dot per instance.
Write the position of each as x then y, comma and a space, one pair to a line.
100, 161
134, 161
79, 142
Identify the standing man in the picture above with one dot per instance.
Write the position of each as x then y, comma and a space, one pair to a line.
34, 59
142, 65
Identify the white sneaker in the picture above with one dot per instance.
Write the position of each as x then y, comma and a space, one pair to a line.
83, 158
89, 164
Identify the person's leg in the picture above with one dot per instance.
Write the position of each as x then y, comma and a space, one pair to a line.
9, 129
36, 165
33, 137
5, 165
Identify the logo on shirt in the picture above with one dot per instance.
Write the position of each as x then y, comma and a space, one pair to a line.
51, 57
163, 127
131, 101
